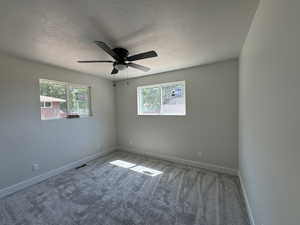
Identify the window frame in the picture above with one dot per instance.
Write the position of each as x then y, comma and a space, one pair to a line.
67, 86
160, 85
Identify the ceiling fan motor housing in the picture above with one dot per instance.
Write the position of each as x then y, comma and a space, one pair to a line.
122, 53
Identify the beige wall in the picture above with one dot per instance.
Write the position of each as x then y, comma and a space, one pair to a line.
25, 139
210, 126
270, 113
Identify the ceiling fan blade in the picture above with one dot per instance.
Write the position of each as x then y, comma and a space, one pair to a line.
95, 61
107, 49
114, 71
139, 67
143, 55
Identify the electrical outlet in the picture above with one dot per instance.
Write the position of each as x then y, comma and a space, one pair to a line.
35, 167
130, 142
199, 154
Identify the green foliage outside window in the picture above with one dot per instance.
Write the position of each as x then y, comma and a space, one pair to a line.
79, 100
151, 98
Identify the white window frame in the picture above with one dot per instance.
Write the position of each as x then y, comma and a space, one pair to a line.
160, 85
67, 86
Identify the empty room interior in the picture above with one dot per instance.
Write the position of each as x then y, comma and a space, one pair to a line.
145, 112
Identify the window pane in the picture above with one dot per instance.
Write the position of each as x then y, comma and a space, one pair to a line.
48, 104
173, 99
52, 100
151, 100
79, 101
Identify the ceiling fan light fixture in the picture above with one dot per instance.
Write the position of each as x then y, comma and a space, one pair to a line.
120, 66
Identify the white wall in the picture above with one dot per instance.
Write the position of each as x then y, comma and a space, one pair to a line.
25, 139
270, 113
211, 124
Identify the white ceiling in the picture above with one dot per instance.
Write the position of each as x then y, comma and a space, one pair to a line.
184, 33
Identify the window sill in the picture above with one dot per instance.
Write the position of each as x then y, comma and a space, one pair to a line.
175, 115
66, 118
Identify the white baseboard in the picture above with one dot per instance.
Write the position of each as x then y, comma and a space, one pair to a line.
175, 159
249, 209
37, 179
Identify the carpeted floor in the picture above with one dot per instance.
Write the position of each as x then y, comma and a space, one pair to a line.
121, 189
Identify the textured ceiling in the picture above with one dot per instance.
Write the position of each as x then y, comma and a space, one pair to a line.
184, 33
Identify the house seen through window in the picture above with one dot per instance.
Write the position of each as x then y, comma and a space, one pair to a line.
63, 100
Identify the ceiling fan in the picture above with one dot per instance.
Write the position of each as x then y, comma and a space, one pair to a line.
122, 58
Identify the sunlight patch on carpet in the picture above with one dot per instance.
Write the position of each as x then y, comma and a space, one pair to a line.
146, 170
140, 169
122, 163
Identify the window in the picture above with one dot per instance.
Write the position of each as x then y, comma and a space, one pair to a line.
162, 99
46, 104
63, 100
79, 100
